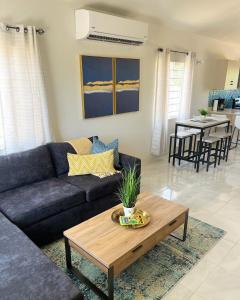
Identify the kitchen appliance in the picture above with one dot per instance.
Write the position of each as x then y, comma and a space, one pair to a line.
218, 104
215, 105
236, 103
221, 104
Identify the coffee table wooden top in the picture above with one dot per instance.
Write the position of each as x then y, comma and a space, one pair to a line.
107, 242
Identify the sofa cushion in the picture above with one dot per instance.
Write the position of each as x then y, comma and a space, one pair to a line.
99, 147
26, 273
59, 153
100, 164
25, 168
94, 186
30, 204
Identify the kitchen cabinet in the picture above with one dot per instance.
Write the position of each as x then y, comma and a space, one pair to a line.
231, 82
226, 75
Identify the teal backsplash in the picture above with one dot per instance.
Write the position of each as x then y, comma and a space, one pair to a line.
228, 95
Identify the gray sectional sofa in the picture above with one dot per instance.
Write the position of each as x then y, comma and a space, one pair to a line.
26, 273
39, 200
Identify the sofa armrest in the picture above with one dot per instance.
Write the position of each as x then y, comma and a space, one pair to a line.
127, 161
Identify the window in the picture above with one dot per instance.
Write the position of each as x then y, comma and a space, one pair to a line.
175, 88
23, 103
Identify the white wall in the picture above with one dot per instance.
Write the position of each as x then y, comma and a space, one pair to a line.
60, 55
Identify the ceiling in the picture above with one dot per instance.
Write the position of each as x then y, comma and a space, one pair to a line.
219, 19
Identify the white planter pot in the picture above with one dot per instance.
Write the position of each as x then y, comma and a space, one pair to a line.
128, 211
202, 118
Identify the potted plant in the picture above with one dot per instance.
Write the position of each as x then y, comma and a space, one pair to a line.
203, 113
129, 190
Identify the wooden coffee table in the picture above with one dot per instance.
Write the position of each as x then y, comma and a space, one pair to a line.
112, 248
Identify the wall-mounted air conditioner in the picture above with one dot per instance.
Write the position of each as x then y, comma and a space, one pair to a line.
107, 28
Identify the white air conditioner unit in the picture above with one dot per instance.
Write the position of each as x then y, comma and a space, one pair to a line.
107, 28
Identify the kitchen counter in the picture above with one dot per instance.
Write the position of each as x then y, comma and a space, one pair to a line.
225, 111
229, 112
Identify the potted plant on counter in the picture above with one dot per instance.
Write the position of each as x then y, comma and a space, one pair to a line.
203, 113
128, 190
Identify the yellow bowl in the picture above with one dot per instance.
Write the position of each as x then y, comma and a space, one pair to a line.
119, 212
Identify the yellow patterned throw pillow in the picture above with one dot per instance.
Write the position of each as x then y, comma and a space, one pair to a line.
100, 164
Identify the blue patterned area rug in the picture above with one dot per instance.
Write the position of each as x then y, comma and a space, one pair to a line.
154, 274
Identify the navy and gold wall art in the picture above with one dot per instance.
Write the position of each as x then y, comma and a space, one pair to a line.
127, 85
97, 86
109, 85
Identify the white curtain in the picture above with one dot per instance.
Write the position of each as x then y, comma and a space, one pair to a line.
23, 105
185, 106
160, 114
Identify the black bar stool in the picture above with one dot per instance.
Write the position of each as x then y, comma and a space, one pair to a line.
210, 149
195, 133
182, 138
225, 144
224, 136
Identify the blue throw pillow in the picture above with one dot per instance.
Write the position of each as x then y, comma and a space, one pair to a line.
99, 147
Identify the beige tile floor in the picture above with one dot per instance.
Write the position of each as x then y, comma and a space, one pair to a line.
212, 197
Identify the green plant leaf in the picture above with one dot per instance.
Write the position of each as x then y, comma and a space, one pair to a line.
203, 111
129, 188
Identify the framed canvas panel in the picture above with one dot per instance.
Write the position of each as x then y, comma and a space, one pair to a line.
127, 84
97, 86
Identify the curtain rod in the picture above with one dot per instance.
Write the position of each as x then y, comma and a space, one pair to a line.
175, 51
38, 30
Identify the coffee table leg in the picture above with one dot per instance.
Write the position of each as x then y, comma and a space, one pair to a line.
77, 273
110, 284
183, 239
185, 227
68, 254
